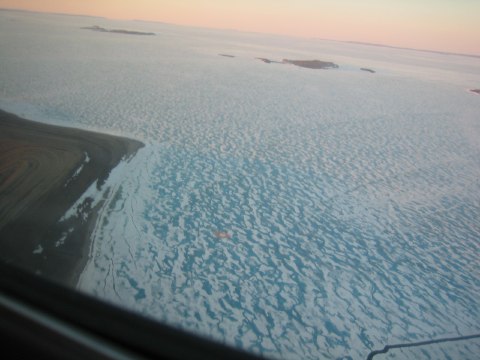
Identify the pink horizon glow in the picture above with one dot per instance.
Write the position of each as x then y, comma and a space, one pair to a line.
440, 25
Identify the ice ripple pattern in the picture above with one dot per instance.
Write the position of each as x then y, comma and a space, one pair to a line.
363, 243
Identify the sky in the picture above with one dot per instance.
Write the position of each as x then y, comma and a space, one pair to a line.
441, 25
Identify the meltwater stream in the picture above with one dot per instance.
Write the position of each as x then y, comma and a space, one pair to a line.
291, 212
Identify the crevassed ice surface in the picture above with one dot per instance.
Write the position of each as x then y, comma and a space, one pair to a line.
351, 200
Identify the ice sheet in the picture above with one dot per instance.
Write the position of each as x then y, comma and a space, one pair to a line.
351, 200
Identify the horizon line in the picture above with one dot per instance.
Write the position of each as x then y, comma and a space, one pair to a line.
355, 42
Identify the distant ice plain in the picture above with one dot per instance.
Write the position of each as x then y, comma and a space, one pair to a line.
352, 199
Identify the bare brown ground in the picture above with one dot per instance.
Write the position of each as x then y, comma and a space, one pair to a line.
37, 186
